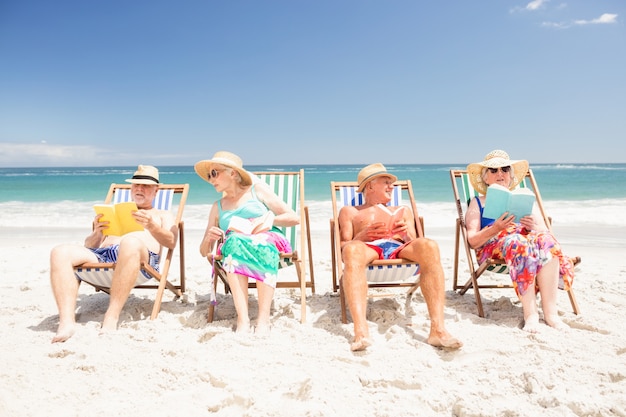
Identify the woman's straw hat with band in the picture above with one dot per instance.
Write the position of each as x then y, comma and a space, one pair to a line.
226, 159
496, 159
145, 174
370, 172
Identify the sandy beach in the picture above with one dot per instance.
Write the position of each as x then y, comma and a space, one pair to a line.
179, 365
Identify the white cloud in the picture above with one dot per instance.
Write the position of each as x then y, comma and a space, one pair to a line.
606, 18
44, 154
532, 6
536, 4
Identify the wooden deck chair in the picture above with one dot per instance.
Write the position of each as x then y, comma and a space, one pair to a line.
380, 273
463, 193
99, 275
289, 186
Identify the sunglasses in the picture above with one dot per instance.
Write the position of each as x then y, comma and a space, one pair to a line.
504, 169
214, 173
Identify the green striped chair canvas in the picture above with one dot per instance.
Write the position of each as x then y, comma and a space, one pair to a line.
380, 273
289, 186
99, 275
463, 193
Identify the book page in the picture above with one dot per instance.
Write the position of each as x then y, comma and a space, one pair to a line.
391, 216
124, 213
518, 202
252, 226
119, 217
108, 215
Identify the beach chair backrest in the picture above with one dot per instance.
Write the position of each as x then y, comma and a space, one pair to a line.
348, 196
162, 200
287, 186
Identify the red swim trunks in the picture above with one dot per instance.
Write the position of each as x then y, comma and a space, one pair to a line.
387, 248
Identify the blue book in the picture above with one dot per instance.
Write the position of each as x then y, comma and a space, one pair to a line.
518, 202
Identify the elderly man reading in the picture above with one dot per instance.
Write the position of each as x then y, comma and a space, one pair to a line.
364, 240
127, 251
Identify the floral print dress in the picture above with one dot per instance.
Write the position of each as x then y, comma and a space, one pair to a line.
525, 253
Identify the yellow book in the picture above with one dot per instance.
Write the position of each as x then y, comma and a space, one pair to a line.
119, 217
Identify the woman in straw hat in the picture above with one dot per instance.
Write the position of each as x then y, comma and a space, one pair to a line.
245, 255
534, 257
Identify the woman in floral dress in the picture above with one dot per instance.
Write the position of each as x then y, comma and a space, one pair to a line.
534, 257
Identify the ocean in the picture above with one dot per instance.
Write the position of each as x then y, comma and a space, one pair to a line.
574, 193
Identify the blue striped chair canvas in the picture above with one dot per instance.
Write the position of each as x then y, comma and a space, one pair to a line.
463, 193
380, 273
99, 275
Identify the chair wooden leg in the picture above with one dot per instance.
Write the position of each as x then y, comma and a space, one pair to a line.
211, 311
342, 298
572, 300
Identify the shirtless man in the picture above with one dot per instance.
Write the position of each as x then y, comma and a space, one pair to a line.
357, 227
127, 251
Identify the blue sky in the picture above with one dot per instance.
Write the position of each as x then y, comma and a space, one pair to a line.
113, 82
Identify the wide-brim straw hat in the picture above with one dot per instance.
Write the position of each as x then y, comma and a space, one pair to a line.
145, 174
371, 172
227, 159
496, 159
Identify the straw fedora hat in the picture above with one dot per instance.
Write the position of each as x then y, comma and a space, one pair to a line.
145, 174
226, 159
496, 159
370, 172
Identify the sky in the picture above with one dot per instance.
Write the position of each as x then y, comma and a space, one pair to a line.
171, 82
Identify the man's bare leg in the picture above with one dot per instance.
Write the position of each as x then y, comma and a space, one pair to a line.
132, 252
432, 282
356, 256
64, 284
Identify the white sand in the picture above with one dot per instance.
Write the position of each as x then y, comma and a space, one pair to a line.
178, 365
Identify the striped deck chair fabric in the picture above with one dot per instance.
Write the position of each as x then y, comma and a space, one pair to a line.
463, 193
99, 275
380, 273
289, 186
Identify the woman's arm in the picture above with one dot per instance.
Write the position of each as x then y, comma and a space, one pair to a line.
212, 233
476, 237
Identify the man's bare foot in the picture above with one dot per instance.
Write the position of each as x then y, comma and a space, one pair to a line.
109, 325
64, 332
360, 344
444, 340
531, 323
555, 322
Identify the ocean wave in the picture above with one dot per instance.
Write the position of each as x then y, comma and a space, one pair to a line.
72, 214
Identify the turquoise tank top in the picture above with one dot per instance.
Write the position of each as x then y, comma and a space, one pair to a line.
248, 210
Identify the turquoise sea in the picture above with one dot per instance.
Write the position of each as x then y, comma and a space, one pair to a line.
572, 192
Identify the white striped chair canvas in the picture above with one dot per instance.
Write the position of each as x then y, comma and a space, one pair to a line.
380, 273
99, 275
463, 193
289, 186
